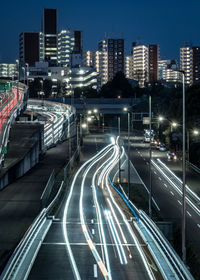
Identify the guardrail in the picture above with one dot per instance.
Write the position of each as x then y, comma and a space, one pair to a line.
23, 257
12, 268
194, 167
171, 256
46, 193
67, 168
7, 114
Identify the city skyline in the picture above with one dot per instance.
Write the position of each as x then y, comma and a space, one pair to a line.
144, 22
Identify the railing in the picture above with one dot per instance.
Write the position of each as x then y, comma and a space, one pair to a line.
8, 113
194, 167
22, 259
12, 268
67, 168
46, 193
169, 253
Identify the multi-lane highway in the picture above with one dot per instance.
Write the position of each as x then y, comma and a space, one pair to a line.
167, 187
58, 119
93, 234
10, 103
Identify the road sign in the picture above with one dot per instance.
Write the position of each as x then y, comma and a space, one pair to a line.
4, 150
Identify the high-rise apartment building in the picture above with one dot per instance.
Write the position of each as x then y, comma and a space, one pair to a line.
8, 70
190, 64
140, 64
29, 47
90, 59
186, 63
129, 67
115, 50
195, 65
65, 47
108, 60
167, 71
153, 63
50, 36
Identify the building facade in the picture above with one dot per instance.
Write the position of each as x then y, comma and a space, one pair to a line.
50, 36
29, 47
190, 64
8, 70
140, 64
195, 65
129, 67
167, 71
153, 58
186, 63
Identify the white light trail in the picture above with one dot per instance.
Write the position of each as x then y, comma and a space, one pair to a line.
64, 223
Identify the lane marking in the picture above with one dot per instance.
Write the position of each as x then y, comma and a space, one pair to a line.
172, 193
198, 225
165, 185
189, 214
179, 202
96, 244
159, 178
155, 172
95, 271
93, 232
92, 221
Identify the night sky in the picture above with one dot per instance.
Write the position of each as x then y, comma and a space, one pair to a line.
167, 23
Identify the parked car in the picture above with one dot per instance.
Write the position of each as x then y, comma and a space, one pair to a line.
171, 155
162, 148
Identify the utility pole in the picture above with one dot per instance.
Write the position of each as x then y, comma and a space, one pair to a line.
150, 155
119, 151
129, 155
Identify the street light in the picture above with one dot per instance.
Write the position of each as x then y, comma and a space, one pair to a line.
195, 132
150, 156
160, 119
119, 150
173, 124
183, 173
126, 110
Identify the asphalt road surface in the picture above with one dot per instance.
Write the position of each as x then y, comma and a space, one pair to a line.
167, 198
92, 235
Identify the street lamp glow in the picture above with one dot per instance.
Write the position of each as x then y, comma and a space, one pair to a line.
89, 119
125, 109
84, 125
196, 132
160, 118
174, 124
89, 112
95, 110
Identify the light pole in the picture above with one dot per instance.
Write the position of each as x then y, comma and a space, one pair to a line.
183, 186
183, 172
160, 120
195, 132
27, 73
150, 156
119, 150
17, 61
126, 110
